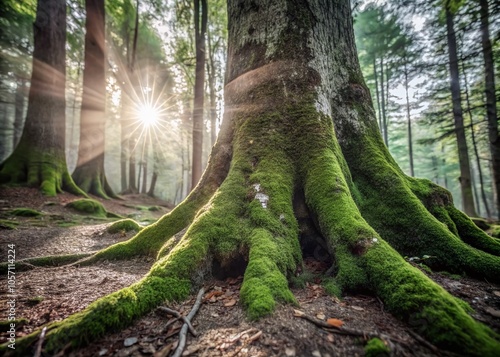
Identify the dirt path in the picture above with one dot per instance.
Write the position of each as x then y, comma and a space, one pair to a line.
49, 294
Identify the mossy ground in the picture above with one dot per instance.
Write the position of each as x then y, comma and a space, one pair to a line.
88, 206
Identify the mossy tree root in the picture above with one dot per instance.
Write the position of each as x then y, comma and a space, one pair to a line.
93, 180
47, 261
414, 216
365, 260
42, 168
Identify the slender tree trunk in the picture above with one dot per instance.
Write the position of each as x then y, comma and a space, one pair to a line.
124, 143
211, 86
132, 186
39, 159
382, 101
19, 113
156, 163
375, 75
476, 152
145, 155
463, 154
89, 173
199, 89
408, 117
491, 107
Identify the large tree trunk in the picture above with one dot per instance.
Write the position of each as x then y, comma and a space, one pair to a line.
89, 173
39, 159
299, 143
491, 107
463, 154
199, 88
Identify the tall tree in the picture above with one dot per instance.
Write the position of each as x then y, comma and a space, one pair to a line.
299, 144
463, 154
200, 28
89, 173
39, 159
491, 107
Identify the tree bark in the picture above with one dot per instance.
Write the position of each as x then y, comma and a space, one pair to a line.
491, 107
375, 75
199, 88
89, 173
463, 154
211, 86
39, 159
382, 100
408, 118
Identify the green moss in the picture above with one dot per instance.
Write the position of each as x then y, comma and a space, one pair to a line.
40, 167
301, 280
88, 206
332, 288
376, 348
427, 307
154, 208
25, 212
7, 224
46, 261
35, 300
125, 225
494, 231
5, 324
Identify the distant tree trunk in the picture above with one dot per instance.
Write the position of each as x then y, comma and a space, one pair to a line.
211, 86
19, 114
375, 75
124, 144
145, 155
156, 162
491, 108
39, 159
89, 173
382, 100
476, 152
463, 155
199, 89
408, 116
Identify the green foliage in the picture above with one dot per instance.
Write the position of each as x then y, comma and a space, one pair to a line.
8, 224
376, 348
124, 225
88, 206
25, 212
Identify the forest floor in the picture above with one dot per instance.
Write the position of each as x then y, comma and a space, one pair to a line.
49, 294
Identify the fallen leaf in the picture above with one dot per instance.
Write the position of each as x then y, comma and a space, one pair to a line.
492, 312
297, 313
230, 303
357, 308
496, 293
330, 338
164, 352
130, 341
290, 351
320, 316
335, 322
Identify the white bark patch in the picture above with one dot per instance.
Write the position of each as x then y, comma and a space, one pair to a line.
262, 197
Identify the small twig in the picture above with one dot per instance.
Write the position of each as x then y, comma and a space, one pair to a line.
38, 350
179, 316
247, 342
424, 342
184, 329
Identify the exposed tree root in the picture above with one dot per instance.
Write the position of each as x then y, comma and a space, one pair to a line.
47, 261
184, 329
92, 179
40, 168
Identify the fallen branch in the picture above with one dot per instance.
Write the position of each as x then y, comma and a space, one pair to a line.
346, 331
179, 316
424, 342
247, 342
184, 329
38, 350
